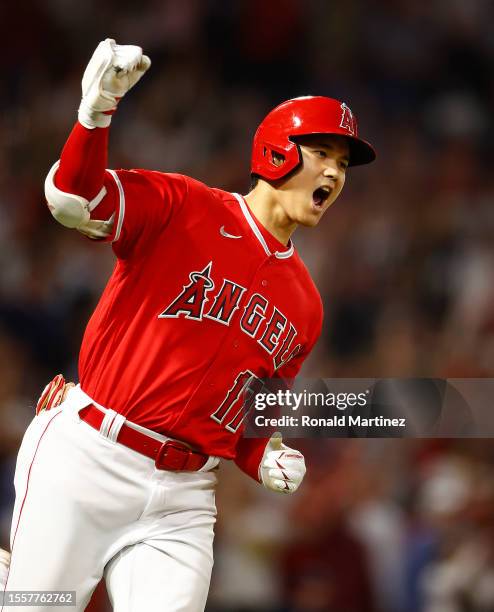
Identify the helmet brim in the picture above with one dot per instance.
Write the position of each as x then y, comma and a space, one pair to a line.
361, 152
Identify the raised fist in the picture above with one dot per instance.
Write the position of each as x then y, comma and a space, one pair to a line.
111, 72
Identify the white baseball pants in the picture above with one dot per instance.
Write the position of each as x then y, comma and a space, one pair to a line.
87, 507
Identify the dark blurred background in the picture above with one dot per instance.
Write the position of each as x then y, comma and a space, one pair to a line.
403, 261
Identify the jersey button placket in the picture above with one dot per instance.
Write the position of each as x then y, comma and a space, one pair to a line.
255, 279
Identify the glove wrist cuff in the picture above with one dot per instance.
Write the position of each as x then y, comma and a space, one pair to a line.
91, 119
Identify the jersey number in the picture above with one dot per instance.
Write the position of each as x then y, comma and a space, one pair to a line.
238, 401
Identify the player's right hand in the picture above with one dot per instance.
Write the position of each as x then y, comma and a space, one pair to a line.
53, 394
112, 71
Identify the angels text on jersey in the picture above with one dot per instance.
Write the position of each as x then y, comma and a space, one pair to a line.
259, 319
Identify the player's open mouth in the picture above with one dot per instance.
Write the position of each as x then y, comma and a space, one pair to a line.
320, 195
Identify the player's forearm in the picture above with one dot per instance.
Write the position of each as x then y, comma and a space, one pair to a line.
83, 162
75, 186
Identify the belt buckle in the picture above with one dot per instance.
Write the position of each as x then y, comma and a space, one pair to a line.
172, 456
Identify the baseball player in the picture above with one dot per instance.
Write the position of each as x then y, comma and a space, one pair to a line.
208, 297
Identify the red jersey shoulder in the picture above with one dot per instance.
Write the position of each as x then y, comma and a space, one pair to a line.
166, 184
182, 187
203, 194
148, 200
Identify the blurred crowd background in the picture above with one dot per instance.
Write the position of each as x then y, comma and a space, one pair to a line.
403, 261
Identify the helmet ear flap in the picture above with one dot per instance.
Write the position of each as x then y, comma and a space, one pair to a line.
279, 160
273, 157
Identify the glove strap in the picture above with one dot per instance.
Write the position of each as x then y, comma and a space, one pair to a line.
91, 119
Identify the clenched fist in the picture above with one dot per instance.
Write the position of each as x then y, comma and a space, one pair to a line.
282, 468
111, 72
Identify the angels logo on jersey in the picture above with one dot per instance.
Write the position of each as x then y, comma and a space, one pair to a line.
275, 333
193, 298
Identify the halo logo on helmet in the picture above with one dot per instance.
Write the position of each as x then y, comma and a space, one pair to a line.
347, 120
303, 116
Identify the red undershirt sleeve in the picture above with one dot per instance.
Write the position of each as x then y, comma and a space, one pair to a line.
82, 168
83, 162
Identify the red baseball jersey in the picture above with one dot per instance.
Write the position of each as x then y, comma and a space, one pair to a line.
202, 298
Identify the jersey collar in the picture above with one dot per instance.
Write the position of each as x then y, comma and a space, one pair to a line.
262, 234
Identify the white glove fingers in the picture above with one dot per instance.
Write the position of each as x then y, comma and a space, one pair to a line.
123, 70
127, 55
284, 474
144, 64
126, 66
298, 465
284, 486
274, 461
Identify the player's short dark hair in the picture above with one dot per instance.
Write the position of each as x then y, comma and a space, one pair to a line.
254, 179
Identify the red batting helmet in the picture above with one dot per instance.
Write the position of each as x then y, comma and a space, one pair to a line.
301, 117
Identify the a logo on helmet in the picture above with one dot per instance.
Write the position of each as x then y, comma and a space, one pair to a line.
347, 120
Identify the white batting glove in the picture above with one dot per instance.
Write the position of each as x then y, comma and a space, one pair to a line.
4, 567
53, 395
111, 72
282, 468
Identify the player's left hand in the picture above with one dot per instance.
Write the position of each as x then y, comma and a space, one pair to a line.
4, 567
53, 394
282, 468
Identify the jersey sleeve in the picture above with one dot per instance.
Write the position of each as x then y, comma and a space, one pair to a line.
250, 450
128, 208
249, 455
141, 203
